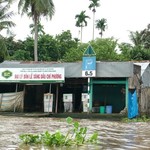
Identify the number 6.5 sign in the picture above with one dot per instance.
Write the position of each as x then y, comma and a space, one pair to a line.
89, 73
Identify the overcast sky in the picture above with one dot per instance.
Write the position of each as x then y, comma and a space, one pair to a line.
122, 16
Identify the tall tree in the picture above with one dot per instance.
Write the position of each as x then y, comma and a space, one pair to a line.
81, 21
36, 9
101, 25
5, 24
92, 6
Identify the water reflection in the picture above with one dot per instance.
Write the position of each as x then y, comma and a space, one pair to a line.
112, 135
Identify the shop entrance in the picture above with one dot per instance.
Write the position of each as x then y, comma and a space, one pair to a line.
109, 95
33, 99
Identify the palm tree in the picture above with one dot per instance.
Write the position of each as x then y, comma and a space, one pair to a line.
81, 21
141, 38
93, 5
40, 29
136, 38
101, 25
36, 9
5, 24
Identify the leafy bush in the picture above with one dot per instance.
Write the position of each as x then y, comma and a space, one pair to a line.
142, 118
75, 136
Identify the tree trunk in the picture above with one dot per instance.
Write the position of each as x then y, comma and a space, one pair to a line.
93, 24
81, 33
101, 33
36, 39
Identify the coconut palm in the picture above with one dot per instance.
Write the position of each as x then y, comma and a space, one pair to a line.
5, 24
135, 37
101, 25
141, 38
81, 21
36, 9
92, 6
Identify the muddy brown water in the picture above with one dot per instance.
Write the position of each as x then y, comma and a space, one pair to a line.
112, 134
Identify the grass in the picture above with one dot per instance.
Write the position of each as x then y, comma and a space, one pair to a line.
142, 118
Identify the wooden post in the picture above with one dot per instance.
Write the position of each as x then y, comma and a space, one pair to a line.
56, 106
16, 92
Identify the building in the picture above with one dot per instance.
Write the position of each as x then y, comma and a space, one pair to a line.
144, 101
108, 88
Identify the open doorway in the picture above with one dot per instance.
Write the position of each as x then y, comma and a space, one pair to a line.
33, 100
109, 94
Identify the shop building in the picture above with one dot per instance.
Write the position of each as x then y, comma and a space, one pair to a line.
108, 88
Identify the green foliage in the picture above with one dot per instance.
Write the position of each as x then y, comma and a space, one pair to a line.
5, 16
141, 47
3, 49
21, 55
36, 10
47, 48
81, 19
101, 25
20, 50
105, 49
94, 4
13, 45
64, 43
75, 136
139, 53
125, 50
142, 118
5, 24
73, 55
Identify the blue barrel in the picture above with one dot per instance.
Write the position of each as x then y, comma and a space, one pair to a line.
108, 109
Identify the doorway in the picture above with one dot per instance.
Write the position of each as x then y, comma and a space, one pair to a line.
109, 94
33, 100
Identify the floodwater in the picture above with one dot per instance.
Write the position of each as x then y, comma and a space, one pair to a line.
113, 135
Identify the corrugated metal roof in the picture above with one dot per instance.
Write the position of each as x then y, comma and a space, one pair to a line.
74, 69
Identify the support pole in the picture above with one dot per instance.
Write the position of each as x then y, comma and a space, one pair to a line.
14, 100
88, 94
57, 89
49, 98
127, 87
50, 87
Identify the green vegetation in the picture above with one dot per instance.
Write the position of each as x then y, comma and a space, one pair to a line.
81, 21
93, 5
143, 118
62, 47
101, 24
5, 25
75, 136
36, 10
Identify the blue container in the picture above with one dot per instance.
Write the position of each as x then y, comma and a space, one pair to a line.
108, 109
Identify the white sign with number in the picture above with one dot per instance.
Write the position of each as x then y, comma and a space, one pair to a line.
88, 73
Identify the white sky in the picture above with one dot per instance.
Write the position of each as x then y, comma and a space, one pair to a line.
122, 16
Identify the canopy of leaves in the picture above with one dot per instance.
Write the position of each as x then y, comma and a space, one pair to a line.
101, 25
36, 8
105, 49
94, 4
81, 19
5, 24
